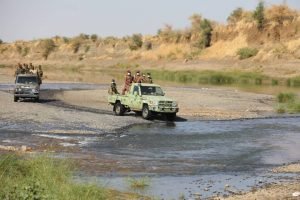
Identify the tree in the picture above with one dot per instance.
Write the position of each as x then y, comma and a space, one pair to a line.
206, 33
136, 42
235, 16
94, 37
259, 15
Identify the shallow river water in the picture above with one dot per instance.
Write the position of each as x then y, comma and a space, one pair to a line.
183, 158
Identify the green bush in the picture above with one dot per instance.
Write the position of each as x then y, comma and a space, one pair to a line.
1, 41
246, 52
259, 15
136, 42
42, 178
206, 33
286, 97
94, 37
148, 45
236, 15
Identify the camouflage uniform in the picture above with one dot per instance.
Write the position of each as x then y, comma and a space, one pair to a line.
149, 78
137, 77
18, 69
40, 74
128, 82
113, 88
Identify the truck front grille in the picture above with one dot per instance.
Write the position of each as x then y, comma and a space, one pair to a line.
165, 103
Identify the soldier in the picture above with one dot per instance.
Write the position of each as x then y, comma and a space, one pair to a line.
128, 82
26, 68
113, 88
137, 77
40, 74
32, 69
143, 79
18, 69
149, 78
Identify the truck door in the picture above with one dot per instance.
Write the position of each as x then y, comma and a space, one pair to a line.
136, 102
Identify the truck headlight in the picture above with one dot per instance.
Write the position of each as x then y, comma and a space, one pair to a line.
174, 104
153, 103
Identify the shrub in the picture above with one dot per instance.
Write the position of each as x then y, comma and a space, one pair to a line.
42, 178
136, 42
148, 45
19, 49
94, 37
246, 52
1, 41
48, 46
259, 15
235, 16
286, 97
84, 36
206, 33
76, 43
66, 40
25, 51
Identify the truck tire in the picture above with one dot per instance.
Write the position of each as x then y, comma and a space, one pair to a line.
119, 109
37, 99
171, 116
146, 113
16, 99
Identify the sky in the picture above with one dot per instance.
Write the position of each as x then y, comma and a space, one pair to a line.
35, 19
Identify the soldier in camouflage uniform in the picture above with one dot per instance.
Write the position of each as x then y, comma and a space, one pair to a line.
40, 74
149, 78
18, 69
137, 77
128, 82
113, 88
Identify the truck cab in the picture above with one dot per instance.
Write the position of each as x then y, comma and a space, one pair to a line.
26, 86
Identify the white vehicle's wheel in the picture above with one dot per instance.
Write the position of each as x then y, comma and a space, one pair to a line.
119, 109
146, 113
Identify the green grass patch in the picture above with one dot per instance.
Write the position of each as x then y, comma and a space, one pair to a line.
293, 82
42, 178
288, 102
138, 183
246, 52
210, 77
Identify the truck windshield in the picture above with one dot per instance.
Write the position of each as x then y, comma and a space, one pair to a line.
152, 90
27, 80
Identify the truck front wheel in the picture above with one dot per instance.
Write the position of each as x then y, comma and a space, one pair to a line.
119, 109
146, 113
16, 99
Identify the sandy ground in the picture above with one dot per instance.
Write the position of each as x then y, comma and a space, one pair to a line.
203, 103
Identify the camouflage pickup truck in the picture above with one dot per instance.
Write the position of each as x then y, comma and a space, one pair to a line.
27, 86
147, 99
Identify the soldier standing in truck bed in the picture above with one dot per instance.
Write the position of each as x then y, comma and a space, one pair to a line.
40, 74
149, 78
18, 69
113, 88
137, 77
128, 82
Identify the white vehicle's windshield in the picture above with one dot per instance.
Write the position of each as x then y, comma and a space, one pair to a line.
152, 90
27, 80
